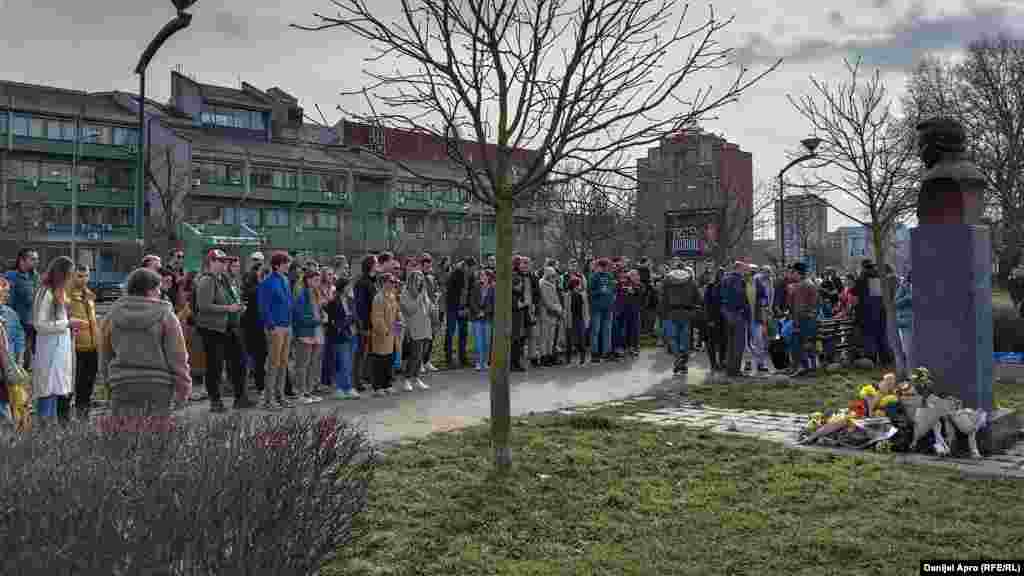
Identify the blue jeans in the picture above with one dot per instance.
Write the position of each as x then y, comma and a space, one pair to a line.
455, 325
601, 331
482, 342
47, 407
677, 336
343, 354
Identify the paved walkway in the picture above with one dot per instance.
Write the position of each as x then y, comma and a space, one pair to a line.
461, 398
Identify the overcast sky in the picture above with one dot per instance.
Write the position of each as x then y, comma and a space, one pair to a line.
94, 44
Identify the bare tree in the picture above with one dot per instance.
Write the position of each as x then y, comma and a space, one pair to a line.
591, 217
578, 82
870, 150
169, 178
985, 93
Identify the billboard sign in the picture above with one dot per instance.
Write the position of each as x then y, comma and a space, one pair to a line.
691, 233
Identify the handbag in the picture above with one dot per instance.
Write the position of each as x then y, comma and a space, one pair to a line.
19, 395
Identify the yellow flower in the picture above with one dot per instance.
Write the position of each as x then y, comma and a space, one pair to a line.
868, 390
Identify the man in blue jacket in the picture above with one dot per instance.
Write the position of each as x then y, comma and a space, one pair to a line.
736, 314
23, 280
275, 301
602, 298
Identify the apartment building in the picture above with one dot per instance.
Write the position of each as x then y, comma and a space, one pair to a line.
228, 161
56, 144
696, 171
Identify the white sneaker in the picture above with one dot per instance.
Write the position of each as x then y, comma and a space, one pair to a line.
423, 369
305, 400
407, 386
430, 367
314, 398
421, 384
478, 367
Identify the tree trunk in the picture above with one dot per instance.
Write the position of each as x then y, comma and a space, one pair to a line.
501, 409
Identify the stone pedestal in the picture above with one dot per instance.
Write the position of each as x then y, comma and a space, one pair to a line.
952, 305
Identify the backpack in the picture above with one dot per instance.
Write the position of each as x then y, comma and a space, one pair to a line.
674, 295
192, 297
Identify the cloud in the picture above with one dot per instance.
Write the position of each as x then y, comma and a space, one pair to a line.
835, 18
231, 25
898, 46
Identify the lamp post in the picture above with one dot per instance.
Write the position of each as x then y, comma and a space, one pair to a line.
810, 144
180, 22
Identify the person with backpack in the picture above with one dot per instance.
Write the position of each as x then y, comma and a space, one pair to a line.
680, 300
803, 305
218, 310
736, 315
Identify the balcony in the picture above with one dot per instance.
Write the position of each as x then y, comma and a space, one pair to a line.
90, 232
324, 198
61, 193
225, 189
67, 148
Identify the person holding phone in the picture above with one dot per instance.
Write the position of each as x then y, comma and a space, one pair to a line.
218, 317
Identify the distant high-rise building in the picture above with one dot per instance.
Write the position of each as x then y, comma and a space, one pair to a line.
806, 222
697, 170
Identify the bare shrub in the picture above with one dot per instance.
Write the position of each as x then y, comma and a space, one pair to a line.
219, 496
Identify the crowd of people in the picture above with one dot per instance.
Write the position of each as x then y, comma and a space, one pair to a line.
299, 331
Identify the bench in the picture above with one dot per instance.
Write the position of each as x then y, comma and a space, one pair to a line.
844, 336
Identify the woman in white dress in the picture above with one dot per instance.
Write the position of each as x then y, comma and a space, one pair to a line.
52, 366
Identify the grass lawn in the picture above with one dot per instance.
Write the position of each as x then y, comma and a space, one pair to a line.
592, 496
806, 395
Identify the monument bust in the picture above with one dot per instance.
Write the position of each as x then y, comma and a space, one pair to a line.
951, 185
940, 140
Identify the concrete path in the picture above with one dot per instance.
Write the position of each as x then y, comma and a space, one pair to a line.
462, 397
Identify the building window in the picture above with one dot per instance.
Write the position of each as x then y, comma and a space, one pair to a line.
91, 215
277, 217
236, 216
119, 216
56, 215
125, 136
25, 169
313, 182
262, 178
233, 118
283, 179
93, 134
57, 130
327, 220
38, 128
114, 176
308, 219
21, 125
414, 224
87, 175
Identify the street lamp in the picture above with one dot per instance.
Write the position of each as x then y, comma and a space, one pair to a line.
810, 144
180, 22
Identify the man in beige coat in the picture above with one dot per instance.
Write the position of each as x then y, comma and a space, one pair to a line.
551, 313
